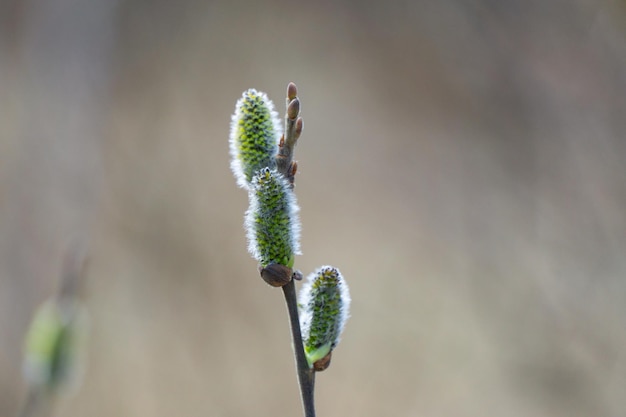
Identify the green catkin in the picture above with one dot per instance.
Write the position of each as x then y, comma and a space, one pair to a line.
254, 134
271, 221
324, 303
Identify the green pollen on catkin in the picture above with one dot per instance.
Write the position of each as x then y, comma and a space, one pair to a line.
324, 304
254, 134
271, 221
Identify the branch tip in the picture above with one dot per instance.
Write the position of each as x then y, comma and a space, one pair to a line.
292, 91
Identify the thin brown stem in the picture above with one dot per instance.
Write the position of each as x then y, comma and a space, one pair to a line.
306, 375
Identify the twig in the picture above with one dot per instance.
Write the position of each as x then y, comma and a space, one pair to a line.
306, 375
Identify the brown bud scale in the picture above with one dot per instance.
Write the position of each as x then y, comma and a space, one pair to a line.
323, 363
293, 109
276, 275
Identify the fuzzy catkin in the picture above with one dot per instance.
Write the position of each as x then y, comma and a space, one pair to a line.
324, 302
272, 221
254, 134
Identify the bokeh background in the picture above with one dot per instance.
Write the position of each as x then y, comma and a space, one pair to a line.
462, 162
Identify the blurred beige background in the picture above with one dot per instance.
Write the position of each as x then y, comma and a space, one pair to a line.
462, 163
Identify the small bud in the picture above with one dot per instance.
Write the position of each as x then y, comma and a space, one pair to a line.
292, 91
254, 134
272, 222
297, 275
276, 275
293, 109
324, 304
298, 127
